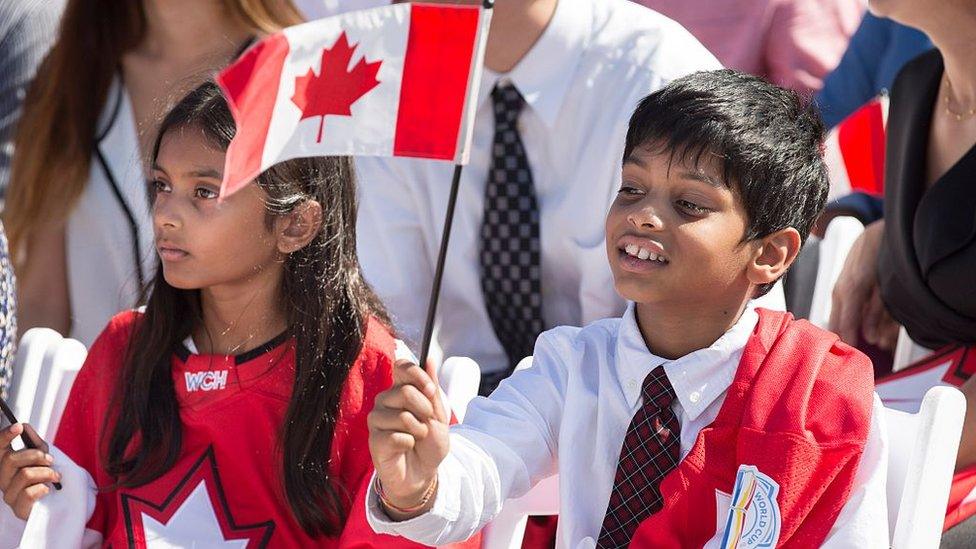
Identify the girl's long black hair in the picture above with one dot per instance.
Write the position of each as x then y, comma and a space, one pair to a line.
327, 303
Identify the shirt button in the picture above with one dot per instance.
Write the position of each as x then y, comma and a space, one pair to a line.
633, 383
694, 397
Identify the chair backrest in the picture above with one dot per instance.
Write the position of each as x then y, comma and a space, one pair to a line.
921, 459
459, 378
66, 361
836, 244
775, 298
907, 351
507, 530
28, 367
44, 370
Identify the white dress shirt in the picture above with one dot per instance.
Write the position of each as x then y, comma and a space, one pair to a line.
581, 82
569, 413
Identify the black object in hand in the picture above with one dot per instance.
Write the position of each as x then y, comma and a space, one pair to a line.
28, 440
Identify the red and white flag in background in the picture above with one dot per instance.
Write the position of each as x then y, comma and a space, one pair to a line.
855, 151
397, 80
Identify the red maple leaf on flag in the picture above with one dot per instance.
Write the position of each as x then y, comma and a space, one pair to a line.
335, 88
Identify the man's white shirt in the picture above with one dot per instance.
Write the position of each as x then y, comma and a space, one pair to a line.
581, 82
569, 413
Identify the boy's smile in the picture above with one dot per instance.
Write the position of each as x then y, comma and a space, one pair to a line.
674, 233
640, 255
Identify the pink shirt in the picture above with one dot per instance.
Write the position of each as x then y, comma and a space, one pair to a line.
793, 43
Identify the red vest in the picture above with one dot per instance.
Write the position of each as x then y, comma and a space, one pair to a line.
799, 410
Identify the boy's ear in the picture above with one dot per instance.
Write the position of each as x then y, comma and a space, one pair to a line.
297, 228
774, 255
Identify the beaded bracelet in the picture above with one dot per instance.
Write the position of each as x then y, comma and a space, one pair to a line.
428, 493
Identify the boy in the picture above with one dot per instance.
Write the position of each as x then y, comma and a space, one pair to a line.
695, 419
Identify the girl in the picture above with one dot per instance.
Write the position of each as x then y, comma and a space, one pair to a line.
234, 407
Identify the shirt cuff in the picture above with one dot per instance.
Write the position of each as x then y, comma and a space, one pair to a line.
427, 528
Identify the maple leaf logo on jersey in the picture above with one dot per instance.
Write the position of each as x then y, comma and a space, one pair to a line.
195, 512
336, 87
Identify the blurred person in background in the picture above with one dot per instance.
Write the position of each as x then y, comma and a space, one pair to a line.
915, 267
875, 54
792, 43
27, 29
77, 205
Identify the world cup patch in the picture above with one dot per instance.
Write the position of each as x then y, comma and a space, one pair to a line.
754, 520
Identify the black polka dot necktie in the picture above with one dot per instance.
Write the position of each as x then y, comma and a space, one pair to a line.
511, 276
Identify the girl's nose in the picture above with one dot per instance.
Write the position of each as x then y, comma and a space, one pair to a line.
166, 213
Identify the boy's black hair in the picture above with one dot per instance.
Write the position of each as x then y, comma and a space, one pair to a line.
767, 141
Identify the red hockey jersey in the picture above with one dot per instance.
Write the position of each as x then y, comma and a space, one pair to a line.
226, 485
799, 413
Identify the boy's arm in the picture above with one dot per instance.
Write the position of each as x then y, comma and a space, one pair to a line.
506, 445
863, 521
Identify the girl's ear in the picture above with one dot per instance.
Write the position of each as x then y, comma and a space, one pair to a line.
774, 255
296, 229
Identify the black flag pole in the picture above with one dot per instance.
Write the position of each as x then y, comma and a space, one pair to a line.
435, 290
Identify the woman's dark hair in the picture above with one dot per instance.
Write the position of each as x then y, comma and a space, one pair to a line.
767, 141
327, 303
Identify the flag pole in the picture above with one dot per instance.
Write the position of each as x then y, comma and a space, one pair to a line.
435, 290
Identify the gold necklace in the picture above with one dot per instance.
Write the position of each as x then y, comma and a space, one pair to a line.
960, 116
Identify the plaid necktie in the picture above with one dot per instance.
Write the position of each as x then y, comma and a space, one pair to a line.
510, 267
650, 451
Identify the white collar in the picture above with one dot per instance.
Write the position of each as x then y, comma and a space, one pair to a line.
544, 75
698, 378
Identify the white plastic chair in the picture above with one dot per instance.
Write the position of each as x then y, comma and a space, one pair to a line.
507, 530
907, 351
459, 378
836, 244
922, 456
775, 299
66, 361
44, 370
28, 369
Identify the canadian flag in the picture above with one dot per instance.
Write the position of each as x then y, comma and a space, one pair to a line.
855, 151
396, 80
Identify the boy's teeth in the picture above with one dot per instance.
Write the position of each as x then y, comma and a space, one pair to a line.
643, 253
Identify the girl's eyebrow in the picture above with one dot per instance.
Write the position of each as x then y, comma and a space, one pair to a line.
209, 173
205, 172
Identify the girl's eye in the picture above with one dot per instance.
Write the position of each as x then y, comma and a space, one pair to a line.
692, 207
159, 186
205, 193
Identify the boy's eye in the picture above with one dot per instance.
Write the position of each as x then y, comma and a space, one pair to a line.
628, 190
205, 193
159, 186
692, 207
